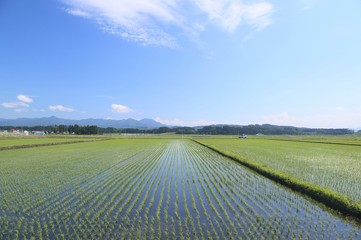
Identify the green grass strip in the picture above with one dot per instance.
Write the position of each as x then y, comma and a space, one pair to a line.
326, 196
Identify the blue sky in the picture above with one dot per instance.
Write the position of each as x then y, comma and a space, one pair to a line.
190, 62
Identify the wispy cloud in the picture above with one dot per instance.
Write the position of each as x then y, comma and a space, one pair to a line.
77, 12
174, 122
61, 108
148, 22
337, 118
39, 110
118, 108
136, 20
24, 98
14, 104
178, 122
21, 110
229, 14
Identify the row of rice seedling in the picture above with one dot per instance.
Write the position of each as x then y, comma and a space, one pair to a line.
110, 210
160, 189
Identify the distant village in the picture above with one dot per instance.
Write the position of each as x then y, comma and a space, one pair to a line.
15, 131
44, 130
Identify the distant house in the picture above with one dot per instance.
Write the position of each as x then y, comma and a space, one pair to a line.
14, 131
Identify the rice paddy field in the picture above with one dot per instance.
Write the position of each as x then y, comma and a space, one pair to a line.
336, 166
156, 189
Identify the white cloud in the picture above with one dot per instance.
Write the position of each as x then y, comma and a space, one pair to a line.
136, 20
19, 106
148, 22
118, 108
77, 12
60, 108
14, 104
338, 118
178, 122
21, 110
259, 14
229, 14
24, 98
39, 110
174, 122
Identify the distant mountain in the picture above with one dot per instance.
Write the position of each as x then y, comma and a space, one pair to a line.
152, 123
50, 121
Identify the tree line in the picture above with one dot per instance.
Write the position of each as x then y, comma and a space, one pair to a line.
268, 129
265, 129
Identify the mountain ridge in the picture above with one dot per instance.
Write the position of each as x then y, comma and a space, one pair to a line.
145, 123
